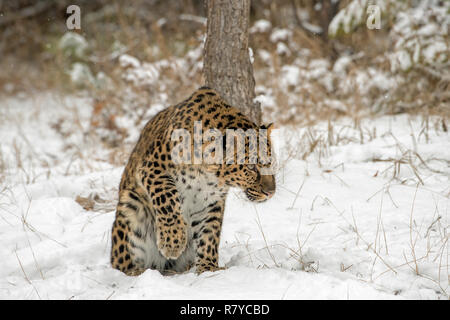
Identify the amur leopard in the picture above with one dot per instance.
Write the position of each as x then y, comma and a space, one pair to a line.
169, 214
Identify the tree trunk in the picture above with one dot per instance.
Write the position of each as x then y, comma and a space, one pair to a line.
227, 67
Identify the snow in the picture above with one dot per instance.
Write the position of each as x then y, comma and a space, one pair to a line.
341, 65
432, 52
250, 54
403, 59
295, 75
290, 75
126, 60
261, 26
265, 101
283, 49
279, 34
264, 55
81, 74
318, 68
312, 28
345, 223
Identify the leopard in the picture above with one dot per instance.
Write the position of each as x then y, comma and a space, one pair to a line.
169, 213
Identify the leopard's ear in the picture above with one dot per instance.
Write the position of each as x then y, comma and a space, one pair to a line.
269, 127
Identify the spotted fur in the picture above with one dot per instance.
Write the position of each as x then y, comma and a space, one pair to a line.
169, 216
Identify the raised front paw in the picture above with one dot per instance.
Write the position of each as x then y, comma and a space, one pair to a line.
172, 240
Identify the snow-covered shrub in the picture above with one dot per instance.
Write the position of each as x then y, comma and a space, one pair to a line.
353, 16
419, 33
420, 36
78, 57
415, 35
74, 45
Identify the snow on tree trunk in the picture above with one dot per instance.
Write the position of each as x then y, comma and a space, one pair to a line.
227, 65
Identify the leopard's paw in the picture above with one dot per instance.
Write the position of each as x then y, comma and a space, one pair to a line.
134, 272
201, 269
172, 240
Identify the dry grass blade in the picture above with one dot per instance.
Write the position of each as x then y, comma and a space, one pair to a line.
258, 221
25, 275
411, 243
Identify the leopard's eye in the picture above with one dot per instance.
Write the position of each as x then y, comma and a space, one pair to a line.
252, 167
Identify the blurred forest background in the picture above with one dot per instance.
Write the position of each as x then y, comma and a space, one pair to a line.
312, 59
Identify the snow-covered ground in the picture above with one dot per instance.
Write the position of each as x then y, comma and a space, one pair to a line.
361, 212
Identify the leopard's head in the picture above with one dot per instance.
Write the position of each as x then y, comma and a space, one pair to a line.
255, 174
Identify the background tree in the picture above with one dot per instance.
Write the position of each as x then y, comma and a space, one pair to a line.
227, 65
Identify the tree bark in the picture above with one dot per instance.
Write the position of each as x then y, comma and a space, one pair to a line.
227, 66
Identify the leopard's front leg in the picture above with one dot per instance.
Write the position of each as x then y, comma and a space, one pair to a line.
207, 239
170, 227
